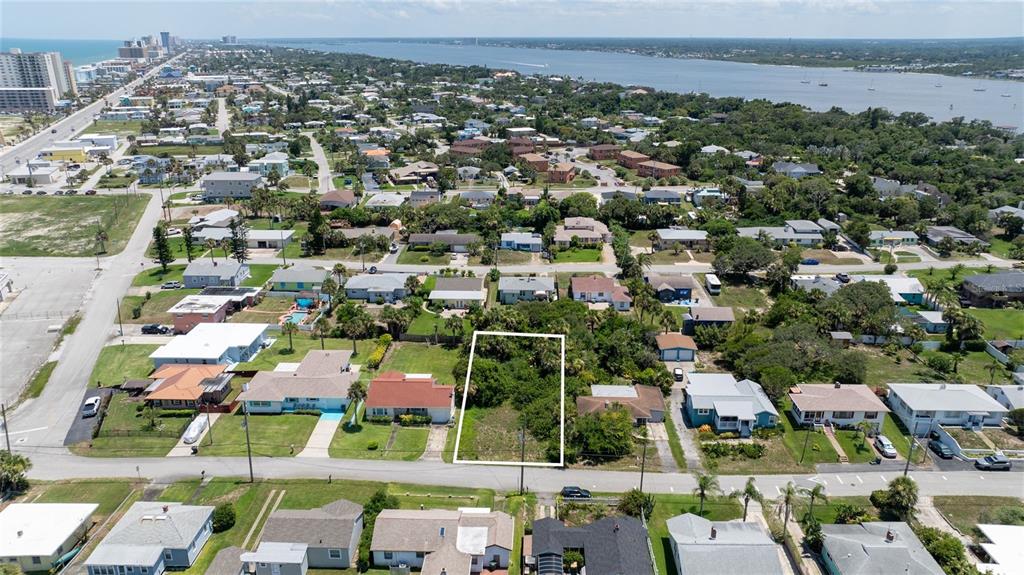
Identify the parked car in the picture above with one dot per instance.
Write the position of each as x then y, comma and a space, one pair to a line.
91, 407
90, 192
677, 374
170, 285
809, 262
75, 167
995, 462
941, 449
27, 193
59, 193
53, 131
574, 492
71, 192
393, 249
885, 447
41, 193
195, 430
843, 278
373, 269
155, 329
8, 192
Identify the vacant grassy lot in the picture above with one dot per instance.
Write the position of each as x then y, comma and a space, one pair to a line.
492, 434
975, 367
668, 506
506, 258
425, 322
271, 435
966, 512
67, 225
119, 127
1004, 439
39, 380
108, 494
826, 257
413, 257
154, 309
966, 438
408, 357
669, 257
156, 276
366, 440
267, 311
738, 296
1001, 323
119, 362
576, 256
825, 511
259, 274
179, 150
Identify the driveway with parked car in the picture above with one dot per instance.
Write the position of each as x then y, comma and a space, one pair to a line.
87, 420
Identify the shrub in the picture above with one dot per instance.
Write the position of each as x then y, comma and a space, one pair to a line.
890, 269
137, 312
383, 343
719, 449
704, 428
379, 419
223, 517
372, 446
409, 419
940, 363
424, 259
974, 345
315, 412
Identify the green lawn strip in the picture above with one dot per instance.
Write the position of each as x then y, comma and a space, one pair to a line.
467, 443
825, 511
248, 500
937, 279
267, 311
280, 435
857, 449
505, 258
674, 442
826, 257
521, 509
893, 430
119, 127
177, 245
669, 257
179, 150
581, 255
414, 257
409, 357
966, 512
449, 442
741, 296
818, 449
106, 493
425, 322
1000, 247
154, 309
668, 506
156, 276
1001, 323
259, 274
134, 446
117, 363
302, 343
67, 226
39, 380
974, 367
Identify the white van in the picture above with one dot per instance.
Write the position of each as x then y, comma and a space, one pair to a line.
712, 284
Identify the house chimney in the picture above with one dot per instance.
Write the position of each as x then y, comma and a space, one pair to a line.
20, 533
714, 533
889, 536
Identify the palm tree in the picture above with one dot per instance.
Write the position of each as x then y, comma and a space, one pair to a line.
339, 272
356, 327
454, 325
644, 261
210, 245
289, 328
13, 467
668, 320
322, 328
786, 501
357, 391
749, 493
815, 493
707, 485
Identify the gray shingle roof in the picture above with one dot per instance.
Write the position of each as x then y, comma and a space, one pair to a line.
738, 547
221, 268
613, 545
328, 526
147, 529
863, 550
1012, 282
295, 275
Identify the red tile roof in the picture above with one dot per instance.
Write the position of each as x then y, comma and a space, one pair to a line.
396, 389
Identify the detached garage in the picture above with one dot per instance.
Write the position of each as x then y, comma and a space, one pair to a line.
676, 347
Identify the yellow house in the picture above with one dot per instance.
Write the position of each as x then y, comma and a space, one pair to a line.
63, 154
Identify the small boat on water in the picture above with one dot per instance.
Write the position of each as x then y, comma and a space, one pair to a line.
1005, 96
871, 87
823, 84
938, 85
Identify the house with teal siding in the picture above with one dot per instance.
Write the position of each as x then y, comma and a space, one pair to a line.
298, 279
718, 400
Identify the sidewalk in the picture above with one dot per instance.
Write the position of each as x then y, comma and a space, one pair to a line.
320, 440
436, 439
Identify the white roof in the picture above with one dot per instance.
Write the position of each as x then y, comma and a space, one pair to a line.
710, 378
897, 285
477, 295
945, 397
613, 391
472, 540
1014, 393
38, 529
200, 304
1005, 549
210, 340
273, 552
678, 234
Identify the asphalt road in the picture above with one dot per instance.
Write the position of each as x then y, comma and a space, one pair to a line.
324, 180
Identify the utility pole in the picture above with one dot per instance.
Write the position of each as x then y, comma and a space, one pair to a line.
643, 465
7, 435
910, 454
804, 450
209, 425
248, 445
522, 456
120, 326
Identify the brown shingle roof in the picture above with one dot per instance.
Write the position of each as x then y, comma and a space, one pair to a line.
826, 397
648, 399
673, 340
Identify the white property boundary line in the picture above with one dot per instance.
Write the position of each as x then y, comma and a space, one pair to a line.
465, 395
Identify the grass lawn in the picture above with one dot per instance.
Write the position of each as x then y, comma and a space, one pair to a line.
259, 274
409, 357
492, 434
119, 127
974, 367
123, 432
668, 506
119, 362
67, 225
893, 429
883, 369
108, 494
267, 311
740, 296
1002, 438
505, 258
640, 239
669, 257
819, 450
857, 449
154, 309
826, 257
297, 182
177, 245
1000, 247
39, 380
355, 441
825, 511
966, 438
938, 279
578, 255
1001, 323
302, 343
116, 179
966, 512
179, 150
271, 435
156, 276
413, 257
425, 322
673, 441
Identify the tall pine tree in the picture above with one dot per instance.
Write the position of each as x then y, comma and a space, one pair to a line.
239, 237
162, 246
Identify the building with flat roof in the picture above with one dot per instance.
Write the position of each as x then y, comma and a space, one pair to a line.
1005, 553
512, 289
213, 343
195, 309
229, 185
36, 536
33, 81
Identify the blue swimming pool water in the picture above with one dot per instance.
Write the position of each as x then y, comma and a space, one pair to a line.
331, 415
297, 316
304, 302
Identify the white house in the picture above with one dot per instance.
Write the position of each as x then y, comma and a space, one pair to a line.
840, 405
459, 293
320, 382
213, 343
920, 406
34, 536
436, 541
1009, 396
393, 393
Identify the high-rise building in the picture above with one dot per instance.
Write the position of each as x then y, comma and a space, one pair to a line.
229, 39
132, 49
165, 40
33, 81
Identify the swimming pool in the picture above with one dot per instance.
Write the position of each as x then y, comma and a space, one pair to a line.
331, 415
297, 316
304, 302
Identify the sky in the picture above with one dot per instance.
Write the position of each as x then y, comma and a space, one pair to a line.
104, 19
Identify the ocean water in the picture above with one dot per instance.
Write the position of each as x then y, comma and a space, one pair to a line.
940, 97
78, 52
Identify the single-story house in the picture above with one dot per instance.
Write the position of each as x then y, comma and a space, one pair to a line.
875, 547
644, 402
330, 533
904, 290
707, 316
468, 173
512, 289
1002, 545
240, 297
337, 199
672, 288
610, 545
935, 234
296, 279
201, 273
220, 218
319, 382
994, 290
668, 238
669, 197
599, 289
587, 231
522, 241
809, 283
923, 405
36, 536
442, 541
353, 234
193, 310
384, 200
413, 173
478, 199
1009, 396
840, 405
420, 198
796, 170
213, 343
271, 558
717, 399
181, 386
930, 321
254, 239
676, 347
892, 238
453, 242
153, 537
799, 234
393, 393
458, 293
702, 547
388, 288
